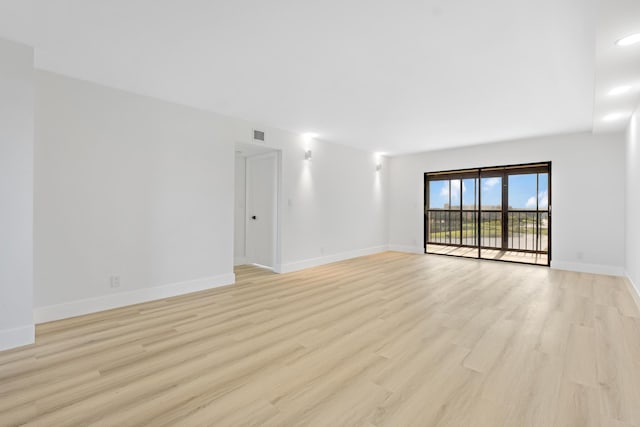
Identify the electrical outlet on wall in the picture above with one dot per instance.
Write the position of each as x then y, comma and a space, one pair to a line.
114, 281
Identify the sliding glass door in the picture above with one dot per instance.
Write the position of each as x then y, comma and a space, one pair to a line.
529, 212
495, 213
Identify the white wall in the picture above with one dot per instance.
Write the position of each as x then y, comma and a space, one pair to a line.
131, 186
16, 194
587, 192
632, 209
332, 207
239, 212
126, 186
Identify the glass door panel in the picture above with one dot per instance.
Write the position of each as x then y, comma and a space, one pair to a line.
522, 213
469, 228
543, 212
490, 213
528, 214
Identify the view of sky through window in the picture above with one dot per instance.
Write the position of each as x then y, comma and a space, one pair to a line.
522, 192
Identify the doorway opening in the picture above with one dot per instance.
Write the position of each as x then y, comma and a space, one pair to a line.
256, 216
500, 213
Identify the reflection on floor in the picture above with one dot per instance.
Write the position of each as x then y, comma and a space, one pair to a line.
525, 257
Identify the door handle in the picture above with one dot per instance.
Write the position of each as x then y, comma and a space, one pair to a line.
254, 217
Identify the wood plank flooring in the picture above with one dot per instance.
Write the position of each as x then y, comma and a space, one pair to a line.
385, 340
490, 254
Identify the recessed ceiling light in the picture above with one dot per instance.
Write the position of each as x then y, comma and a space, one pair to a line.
619, 90
614, 116
629, 40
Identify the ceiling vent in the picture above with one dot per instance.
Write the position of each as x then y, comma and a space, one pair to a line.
258, 135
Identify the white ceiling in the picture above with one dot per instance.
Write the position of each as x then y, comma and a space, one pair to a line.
386, 75
616, 65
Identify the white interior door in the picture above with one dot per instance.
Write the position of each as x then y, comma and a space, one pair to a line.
261, 209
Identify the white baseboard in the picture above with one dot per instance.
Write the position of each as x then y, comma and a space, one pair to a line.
122, 299
635, 289
406, 248
314, 262
239, 261
610, 270
17, 337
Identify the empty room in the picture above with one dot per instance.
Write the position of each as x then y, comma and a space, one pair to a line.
320, 213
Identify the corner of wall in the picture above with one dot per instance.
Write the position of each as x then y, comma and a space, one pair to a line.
315, 262
632, 203
634, 289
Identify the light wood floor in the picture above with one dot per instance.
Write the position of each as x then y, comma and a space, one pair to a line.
497, 254
391, 339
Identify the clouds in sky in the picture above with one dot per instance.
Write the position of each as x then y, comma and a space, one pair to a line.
531, 202
455, 187
543, 200
490, 183
543, 197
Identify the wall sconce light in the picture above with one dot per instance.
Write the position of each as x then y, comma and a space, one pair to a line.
378, 167
307, 155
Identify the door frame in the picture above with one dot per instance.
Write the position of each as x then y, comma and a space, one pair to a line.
277, 199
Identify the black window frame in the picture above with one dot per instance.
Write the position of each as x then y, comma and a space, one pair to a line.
504, 213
